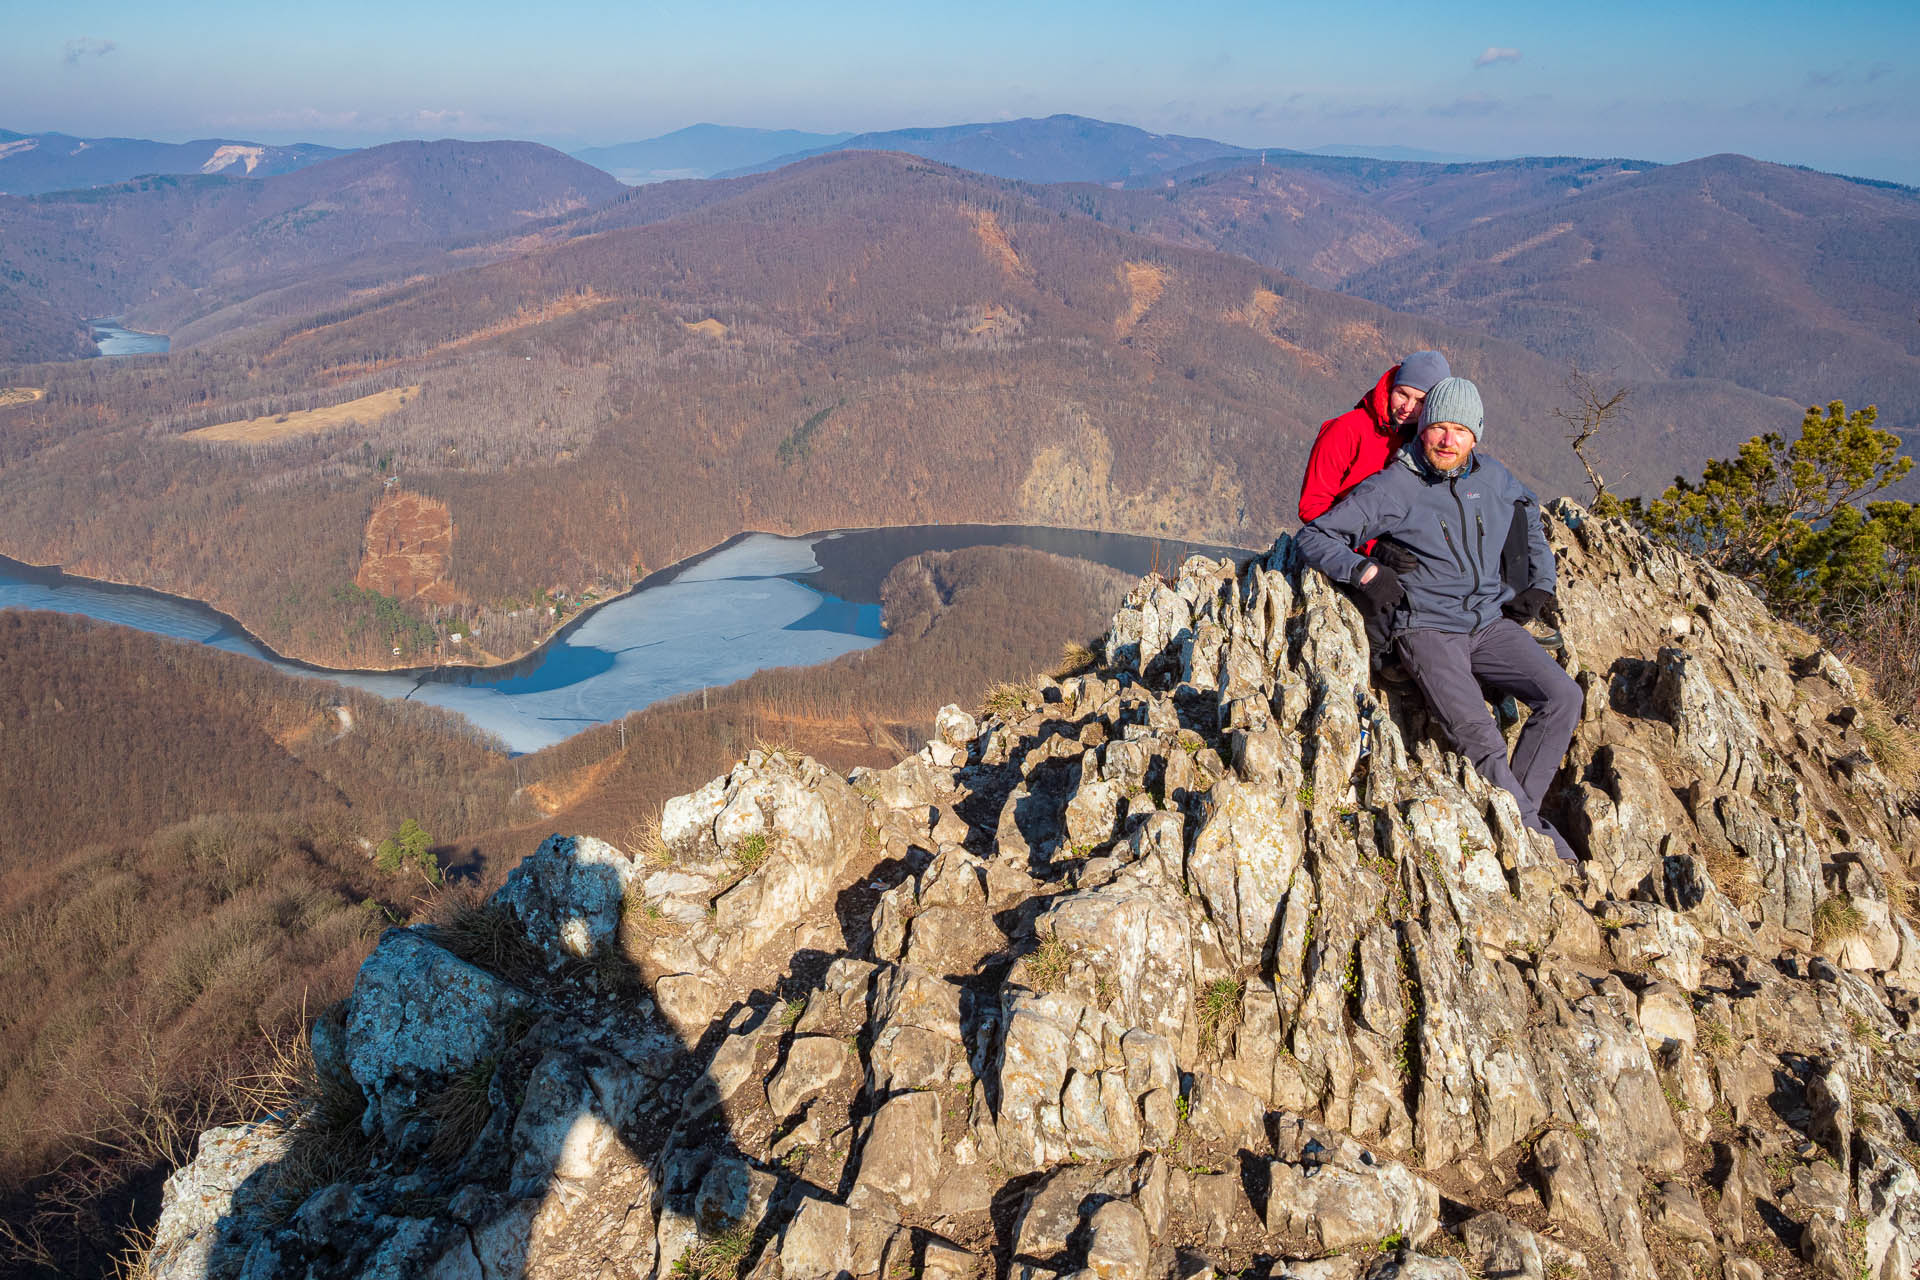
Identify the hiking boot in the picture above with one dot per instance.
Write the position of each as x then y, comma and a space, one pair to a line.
1547, 634
1390, 673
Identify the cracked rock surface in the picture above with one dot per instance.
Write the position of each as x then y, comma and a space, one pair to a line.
1207, 960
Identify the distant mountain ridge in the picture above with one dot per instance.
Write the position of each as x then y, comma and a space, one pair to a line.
598, 394
35, 163
700, 151
1058, 148
166, 247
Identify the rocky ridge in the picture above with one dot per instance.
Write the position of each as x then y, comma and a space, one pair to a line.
1206, 961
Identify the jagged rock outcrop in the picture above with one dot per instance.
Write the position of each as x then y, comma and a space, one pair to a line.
1208, 958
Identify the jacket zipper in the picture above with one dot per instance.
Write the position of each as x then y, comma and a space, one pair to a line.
1459, 562
1453, 487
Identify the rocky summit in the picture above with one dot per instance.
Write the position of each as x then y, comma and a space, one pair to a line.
1208, 960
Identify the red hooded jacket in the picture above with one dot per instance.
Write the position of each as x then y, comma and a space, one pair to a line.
1350, 448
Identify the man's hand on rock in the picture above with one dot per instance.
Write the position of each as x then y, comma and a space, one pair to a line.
1379, 588
1533, 603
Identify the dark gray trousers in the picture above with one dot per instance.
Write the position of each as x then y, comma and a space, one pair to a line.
1456, 672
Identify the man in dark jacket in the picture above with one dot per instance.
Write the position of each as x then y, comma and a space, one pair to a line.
1454, 620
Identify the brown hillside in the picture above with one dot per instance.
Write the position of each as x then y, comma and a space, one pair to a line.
873, 330
1786, 281
165, 248
1793, 283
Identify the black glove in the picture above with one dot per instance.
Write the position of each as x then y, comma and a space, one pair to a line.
1397, 556
1533, 603
1380, 593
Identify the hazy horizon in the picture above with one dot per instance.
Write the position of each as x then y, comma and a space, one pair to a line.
1794, 82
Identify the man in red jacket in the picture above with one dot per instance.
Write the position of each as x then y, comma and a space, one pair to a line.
1358, 443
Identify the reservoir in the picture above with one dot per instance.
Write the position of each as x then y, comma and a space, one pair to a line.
116, 341
757, 601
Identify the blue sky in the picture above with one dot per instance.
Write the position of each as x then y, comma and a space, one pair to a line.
1831, 86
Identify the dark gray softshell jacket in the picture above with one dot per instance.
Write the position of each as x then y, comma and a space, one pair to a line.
1455, 526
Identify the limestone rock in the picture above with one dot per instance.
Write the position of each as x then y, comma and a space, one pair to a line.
902, 1157
814, 1064
417, 1015
200, 1200
568, 895
1337, 1194
1221, 919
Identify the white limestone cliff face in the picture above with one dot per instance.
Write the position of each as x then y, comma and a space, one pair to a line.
1210, 961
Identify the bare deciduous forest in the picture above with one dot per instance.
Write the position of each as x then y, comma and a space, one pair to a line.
862, 340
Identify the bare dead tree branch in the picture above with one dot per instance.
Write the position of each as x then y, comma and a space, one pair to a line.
1592, 411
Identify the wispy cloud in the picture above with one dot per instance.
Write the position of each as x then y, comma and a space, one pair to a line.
1495, 53
85, 47
1835, 77
1874, 109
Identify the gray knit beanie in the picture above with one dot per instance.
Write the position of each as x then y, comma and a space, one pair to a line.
1455, 400
1421, 370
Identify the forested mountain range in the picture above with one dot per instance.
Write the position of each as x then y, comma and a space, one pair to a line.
611, 378
700, 151
1058, 148
1786, 281
1791, 282
165, 248
33, 163
858, 339
1782, 280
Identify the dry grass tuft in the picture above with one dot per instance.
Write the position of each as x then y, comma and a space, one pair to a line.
1008, 699
1048, 965
1732, 874
1218, 1007
722, 1258
644, 841
1075, 659
1836, 919
460, 1110
1893, 746
1880, 644
750, 852
487, 935
318, 1115
1899, 891
785, 752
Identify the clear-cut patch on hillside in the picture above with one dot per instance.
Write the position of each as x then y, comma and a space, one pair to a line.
364, 411
1145, 282
986, 225
1513, 251
1201, 959
409, 549
1273, 317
